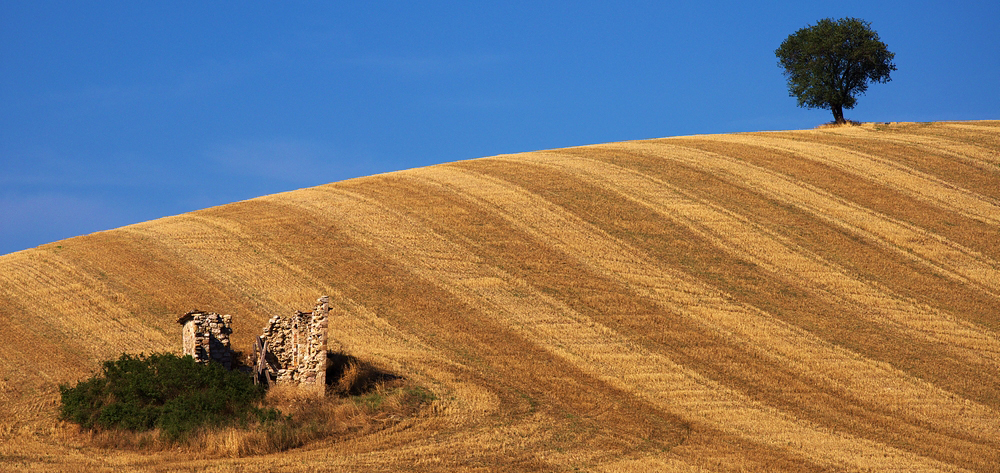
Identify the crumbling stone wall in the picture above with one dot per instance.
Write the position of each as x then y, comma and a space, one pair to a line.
298, 343
205, 336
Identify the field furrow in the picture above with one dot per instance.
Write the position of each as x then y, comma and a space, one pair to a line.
976, 176
982, 157
980, 126
981, 133
549, 323
229, 259
761, 247
78, 306
686, 296
941, 254
604, 300
455, 328
912, 182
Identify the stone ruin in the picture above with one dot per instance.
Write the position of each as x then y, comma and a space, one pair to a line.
205, 336
291, 349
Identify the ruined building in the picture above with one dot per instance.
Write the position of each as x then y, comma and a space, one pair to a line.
205, 336
292, 349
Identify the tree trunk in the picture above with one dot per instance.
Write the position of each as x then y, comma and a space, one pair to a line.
838, 114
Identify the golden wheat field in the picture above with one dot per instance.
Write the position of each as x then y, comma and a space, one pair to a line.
817, 300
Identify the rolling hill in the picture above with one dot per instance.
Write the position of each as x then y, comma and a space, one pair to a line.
819, 300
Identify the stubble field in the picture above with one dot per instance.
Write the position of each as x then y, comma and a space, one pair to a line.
820, 300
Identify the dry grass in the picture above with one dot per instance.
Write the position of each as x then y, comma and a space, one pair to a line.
832, 124
798, 301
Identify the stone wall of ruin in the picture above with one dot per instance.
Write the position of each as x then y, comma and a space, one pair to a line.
205, 336
298, 343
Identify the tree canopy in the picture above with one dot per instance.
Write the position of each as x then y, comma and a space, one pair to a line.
829, 63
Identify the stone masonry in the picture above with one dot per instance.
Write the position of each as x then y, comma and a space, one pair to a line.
299, 345
205, 337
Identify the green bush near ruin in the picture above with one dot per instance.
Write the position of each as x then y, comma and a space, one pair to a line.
163, 391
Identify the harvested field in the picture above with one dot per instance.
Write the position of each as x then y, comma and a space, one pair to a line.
820, 300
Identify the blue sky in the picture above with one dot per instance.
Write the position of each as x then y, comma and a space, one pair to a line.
114, 113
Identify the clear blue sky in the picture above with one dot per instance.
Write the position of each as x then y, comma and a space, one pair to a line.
114, 113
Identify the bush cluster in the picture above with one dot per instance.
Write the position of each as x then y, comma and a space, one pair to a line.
174, 394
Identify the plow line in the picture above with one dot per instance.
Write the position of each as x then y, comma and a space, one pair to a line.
606, 354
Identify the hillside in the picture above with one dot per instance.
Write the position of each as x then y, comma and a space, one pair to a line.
799, 301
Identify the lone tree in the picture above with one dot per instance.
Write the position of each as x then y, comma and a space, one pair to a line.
828, 63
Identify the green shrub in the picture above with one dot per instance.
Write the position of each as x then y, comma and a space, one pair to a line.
174, 394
